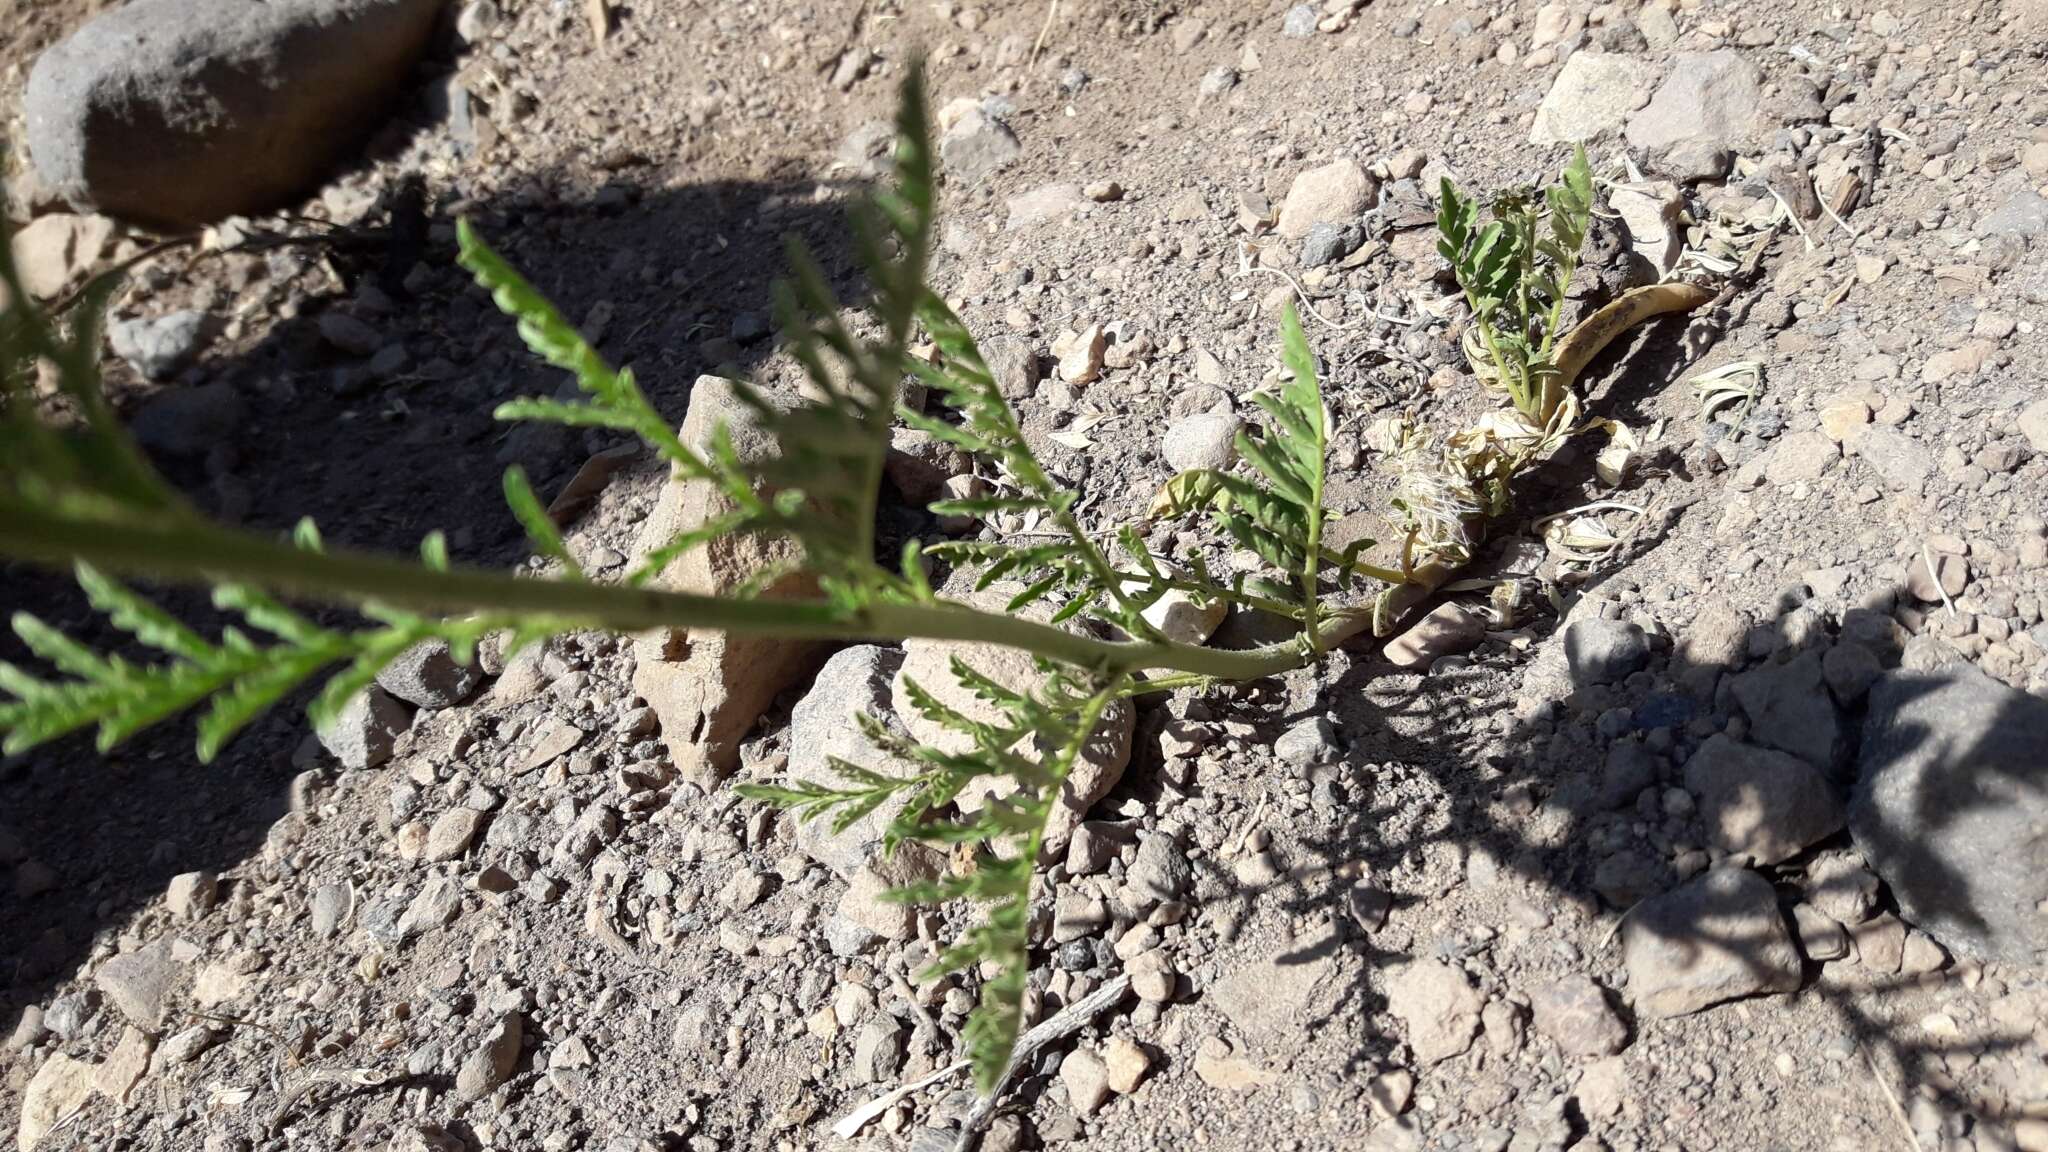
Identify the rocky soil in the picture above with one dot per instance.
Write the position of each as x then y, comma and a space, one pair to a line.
1719, 829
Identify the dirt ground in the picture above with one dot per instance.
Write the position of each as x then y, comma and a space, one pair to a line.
1373, 942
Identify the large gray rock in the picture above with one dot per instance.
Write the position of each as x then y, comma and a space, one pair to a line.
1604, 651
1712, 96
1760, 803
177, 113
823, 728
1592, 95
158, 347
189, 423
1789, 709
428, 675
1950, 804
141, 983
2024, 213
1719, 938
365, 732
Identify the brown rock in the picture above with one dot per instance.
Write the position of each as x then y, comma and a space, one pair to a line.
1439, 1006
708, 687
1335, 193
1449, 630
125, 1065
1880, 943
1717, 938
56, 1090
1574, 1012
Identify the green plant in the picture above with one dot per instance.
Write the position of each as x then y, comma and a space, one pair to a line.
1515, 270
75, 491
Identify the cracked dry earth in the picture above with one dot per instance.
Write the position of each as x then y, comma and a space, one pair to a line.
1722, 833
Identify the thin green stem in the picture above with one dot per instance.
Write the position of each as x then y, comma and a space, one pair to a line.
1313, 554
196, 553
1173, 682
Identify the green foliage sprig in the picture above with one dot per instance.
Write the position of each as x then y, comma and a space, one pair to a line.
75, 491
1515, 270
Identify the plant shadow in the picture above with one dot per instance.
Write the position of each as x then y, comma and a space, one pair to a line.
380, 448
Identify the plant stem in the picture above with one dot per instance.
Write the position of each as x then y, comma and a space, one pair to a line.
192, 552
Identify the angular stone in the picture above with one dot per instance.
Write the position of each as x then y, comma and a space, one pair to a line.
1450, 629
1900, 461
855, 682
452, 833
1592, 95
974, 144
492, 1063
125, 1065
1789, 709
2033, 424
1183, 619
1271, 999
1573, 1011
141, 983
1800, 457
1222, 1068
1160, 872
365, 732
2024, 213
1060, 200
1086, 1079
436, 904
1760, 803
1604, 651
1653, 214
1014, 364
1127, 1062
57, 1090
1880, 943
1714, 643
52, 251
177, 113
1951, 797
192, 894
1718, 938
428, 675
864, 903
1950, 575
158, 347
1709, 95
1336, 193
878, 1052
1438, 1005
709, 688
1838, 884
1821, 936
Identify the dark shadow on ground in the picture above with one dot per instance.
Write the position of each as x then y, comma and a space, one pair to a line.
1426, 788
265, 431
